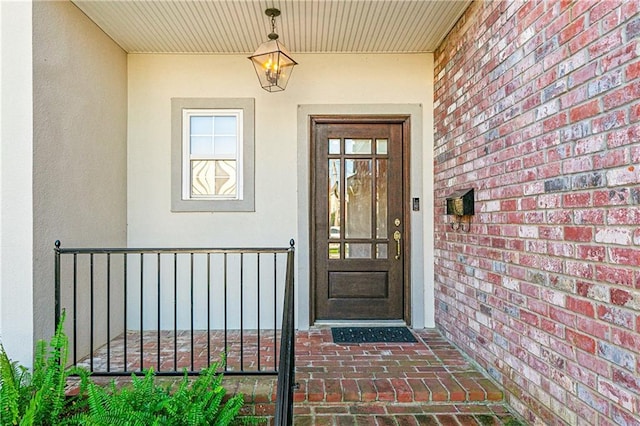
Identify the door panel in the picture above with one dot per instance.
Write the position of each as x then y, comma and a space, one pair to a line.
358, 208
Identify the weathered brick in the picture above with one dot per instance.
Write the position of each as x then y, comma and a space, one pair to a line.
593, 400
616, 316
605, 44
616, 355
578, 233
607, 122
616, 393
610, 235
604, 83
626, 339
619, 56
583, 111
624, 95
625, 256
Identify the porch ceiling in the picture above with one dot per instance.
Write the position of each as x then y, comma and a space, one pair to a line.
305, 26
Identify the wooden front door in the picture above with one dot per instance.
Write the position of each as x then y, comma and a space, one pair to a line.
358, 222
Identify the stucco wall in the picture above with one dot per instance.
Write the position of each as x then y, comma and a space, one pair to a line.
16, 219
538, 109
80, 119
319, 79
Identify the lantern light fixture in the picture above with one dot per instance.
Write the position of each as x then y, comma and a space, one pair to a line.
272, 61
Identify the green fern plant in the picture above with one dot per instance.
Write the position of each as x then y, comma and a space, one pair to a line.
147, 403
36, 398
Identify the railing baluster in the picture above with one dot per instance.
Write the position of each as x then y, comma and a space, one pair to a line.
258, 307
208, 310
108, 312
158, 337
275, 311
192, 367
91, 312
241, 313
226, 326
126, 313
75, 309
141, 311
56, 269
175, 311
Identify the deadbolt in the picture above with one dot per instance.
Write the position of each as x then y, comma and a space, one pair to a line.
397, 222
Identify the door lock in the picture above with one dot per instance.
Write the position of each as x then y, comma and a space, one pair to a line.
397, 222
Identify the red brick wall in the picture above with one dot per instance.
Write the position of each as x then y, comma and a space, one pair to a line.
537, 108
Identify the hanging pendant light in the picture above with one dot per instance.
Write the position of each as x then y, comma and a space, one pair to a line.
272, 60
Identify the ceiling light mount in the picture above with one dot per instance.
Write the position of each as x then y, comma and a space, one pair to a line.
272, 61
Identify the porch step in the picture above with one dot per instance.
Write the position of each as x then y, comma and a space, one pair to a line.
459, 389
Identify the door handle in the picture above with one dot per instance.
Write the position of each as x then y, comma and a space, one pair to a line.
397, 236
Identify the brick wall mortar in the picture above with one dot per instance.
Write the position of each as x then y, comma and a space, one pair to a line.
537, 107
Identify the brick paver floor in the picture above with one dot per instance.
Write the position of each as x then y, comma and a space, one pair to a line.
425, 383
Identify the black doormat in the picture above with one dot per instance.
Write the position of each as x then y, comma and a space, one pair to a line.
372, 335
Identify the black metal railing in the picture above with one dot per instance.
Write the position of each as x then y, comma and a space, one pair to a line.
178, 309
286, 373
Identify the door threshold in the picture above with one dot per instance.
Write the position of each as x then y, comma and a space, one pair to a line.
359, 323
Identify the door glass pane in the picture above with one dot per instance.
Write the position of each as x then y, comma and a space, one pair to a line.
334, 146
357, 251
334, 250
381, 199
381, 146
357, 146
334, 198
381, 251
358, 199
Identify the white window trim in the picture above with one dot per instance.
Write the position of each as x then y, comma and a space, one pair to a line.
181, 200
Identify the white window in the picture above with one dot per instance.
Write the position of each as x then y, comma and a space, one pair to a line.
212, 154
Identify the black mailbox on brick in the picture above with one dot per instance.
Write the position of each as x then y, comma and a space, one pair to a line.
460, 203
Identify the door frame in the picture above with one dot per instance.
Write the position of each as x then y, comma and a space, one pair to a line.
405, 121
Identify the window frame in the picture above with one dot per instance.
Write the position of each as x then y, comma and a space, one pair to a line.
181, 110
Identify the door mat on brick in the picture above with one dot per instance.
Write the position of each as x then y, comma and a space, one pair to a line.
372, 335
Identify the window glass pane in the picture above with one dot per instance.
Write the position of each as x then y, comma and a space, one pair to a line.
357, 146
381, 251
334, 198
201, 125
334, 146
201, 145
226, 178
381, 146
381, 199
225, 146
334, 251
357, 204
213, 178
225, 125
357, 251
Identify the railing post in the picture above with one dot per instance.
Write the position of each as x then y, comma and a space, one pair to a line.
286, 367
57, 285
